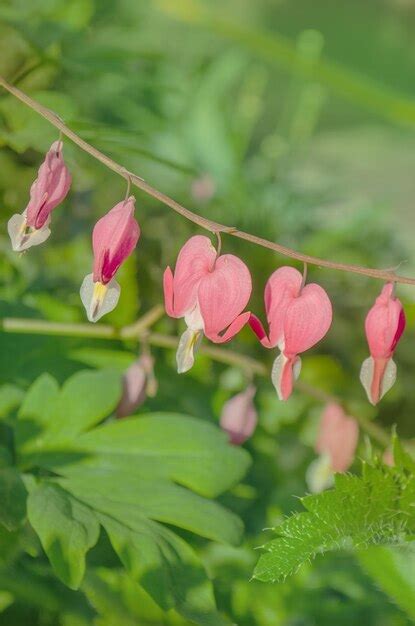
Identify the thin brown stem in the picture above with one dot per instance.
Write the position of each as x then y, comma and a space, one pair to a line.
213, 227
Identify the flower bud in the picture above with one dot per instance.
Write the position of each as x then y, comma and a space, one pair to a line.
384, 326
135, 385
50, 188
239, 417
113, 240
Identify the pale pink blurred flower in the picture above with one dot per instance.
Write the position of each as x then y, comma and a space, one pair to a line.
239, 417
388, 458
113, 240
298, 317
136, 381
336, 444
203, 188
384, 326
210, 292
50, 188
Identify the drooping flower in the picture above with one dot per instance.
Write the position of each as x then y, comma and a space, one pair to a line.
138, 383
210, 292
384, 326
50, 188
336, 444
113, 240
298, 317
239, 417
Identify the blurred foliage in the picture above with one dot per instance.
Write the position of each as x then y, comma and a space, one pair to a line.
288, 118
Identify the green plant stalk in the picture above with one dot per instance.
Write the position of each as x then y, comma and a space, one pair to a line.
140, 331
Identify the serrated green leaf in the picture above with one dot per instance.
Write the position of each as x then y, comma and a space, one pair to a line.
166, 567
67, 529
393, 570
358, 512
401, 457
12, 498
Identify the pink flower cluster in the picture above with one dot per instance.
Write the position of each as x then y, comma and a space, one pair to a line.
211, 291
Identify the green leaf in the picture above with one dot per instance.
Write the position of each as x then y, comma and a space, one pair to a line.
129, 498
189, 451
67, 529
166, 567
124, 474
51, 416
39, 400
372, 510
84, 400
119, 360
36, 411
393, 570
10, 398
118, 599
12, 498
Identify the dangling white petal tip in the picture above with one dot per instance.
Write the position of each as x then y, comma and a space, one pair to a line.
97, 298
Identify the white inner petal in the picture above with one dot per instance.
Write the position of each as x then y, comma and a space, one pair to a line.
99, 299
366, 376
23, 237
389, 377
367, 373
188, 346
319, 475
276, 373
194, 319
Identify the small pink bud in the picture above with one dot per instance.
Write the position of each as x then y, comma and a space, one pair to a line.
113, 240
135, 385
203, 188
210, 292
50, 188
384, 326
336, 444
239, 417
388, 458
298, 317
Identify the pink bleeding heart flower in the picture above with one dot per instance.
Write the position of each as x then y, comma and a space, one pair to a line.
138, 383
298, 317
384, 326
50, 188
336, 444
210, 292
113, 240
239, 417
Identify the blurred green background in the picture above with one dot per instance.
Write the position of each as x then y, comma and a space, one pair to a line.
292, 119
